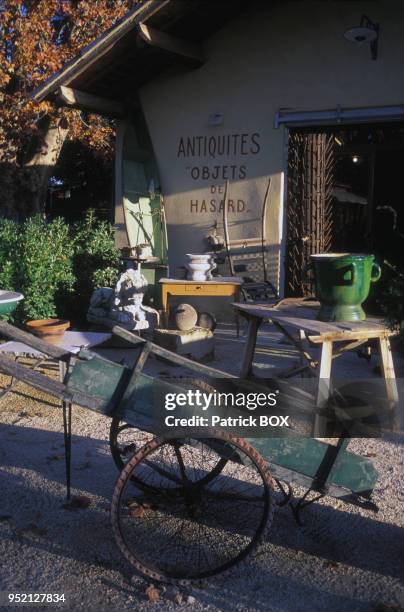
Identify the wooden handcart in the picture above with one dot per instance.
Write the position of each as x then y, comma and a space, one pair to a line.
188, 504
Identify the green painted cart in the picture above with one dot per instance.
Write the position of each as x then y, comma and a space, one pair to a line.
189, 504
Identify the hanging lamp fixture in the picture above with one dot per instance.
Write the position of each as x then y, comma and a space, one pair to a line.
366, 33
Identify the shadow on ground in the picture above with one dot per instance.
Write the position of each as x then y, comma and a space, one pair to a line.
333, 535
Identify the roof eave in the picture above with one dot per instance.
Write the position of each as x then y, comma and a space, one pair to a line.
97, 49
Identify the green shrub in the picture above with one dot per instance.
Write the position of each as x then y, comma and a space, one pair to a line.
391, 300
43, 266
56, 266
96, 261
105, 277
9, 236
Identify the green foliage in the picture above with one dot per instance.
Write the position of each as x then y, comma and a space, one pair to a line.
94, 242
44, 268
9, 234
56, 266
95, 261
105, 277
391, 300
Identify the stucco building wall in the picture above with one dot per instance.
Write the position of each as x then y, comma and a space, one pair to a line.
289, 55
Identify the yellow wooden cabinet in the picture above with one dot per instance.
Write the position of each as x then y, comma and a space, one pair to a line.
219, 287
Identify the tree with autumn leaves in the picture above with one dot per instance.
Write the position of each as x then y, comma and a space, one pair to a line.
37, 37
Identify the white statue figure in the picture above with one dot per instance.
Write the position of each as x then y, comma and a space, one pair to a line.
127, 301
124, 303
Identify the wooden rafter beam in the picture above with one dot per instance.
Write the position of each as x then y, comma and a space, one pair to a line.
80, 99
161, 40
93, 52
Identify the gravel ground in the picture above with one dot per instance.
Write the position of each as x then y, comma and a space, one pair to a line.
343, 558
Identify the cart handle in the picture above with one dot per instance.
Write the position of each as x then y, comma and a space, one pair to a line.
179, 359
14, 333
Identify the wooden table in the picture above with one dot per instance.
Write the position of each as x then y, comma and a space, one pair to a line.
299, 316
221, 286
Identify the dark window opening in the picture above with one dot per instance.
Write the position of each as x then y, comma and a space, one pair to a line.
344, 194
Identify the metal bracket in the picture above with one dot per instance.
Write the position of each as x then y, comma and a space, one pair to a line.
302, 503
368, 23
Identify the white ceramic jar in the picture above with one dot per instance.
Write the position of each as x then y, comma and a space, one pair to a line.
200, 266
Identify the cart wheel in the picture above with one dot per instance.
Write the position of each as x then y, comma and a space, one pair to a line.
125, 440
187, 508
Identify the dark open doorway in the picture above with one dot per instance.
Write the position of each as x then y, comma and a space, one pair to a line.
344, 194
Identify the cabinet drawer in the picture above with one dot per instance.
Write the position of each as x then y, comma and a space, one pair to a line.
202, 288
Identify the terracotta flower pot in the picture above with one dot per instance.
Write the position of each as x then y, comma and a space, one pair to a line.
51, 330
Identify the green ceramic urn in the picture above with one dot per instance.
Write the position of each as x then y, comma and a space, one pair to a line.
342, 283
9, 301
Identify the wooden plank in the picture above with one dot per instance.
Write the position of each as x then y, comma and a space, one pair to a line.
188, 363
318, 330
343, 336
14, 333
98, 378
219, 280
226, 231
143, 355
46, 384
79, 99
349, 347
323, 389
14, 382
387, 366
32, 378
324, 372
173, 357
249, 349
298, 344
307, 313
99, 48
132, 338
297, 460
133, 382
166, 42
264, 231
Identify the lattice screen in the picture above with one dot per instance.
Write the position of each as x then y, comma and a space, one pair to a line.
311, 165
